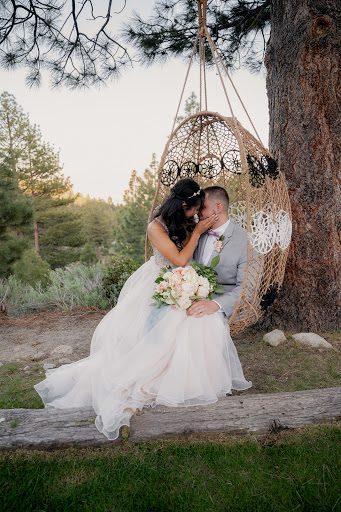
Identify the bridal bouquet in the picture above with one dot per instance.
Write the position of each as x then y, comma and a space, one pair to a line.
182, 285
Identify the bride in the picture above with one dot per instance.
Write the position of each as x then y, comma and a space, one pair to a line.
144, 356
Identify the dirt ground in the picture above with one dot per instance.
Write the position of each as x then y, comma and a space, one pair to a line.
33, 337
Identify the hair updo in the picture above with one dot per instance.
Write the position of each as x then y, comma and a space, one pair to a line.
172, 211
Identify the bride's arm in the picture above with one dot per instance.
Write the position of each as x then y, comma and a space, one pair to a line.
160, 240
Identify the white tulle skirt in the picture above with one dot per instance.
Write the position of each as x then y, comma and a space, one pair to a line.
144, 356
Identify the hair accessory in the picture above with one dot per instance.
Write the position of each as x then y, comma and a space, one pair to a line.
189, 197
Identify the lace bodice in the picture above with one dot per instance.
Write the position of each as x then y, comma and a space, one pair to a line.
159, 258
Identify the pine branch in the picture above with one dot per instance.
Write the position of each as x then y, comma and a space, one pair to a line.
170, 31
63, 37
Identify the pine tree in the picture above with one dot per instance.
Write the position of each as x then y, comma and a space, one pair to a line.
192, 106
55, 229
16, 212
40, 177
13, 126
97, 220
132, 218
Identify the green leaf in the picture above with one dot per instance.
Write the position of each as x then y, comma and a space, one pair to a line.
219, 290
196, 264
215, 261
158, 280
173, 299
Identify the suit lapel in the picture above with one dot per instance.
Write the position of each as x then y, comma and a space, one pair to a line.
202, 243
227, 236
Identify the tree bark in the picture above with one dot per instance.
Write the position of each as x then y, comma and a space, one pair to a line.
36, 233
304, 91
36, 238
98, 252
55, 428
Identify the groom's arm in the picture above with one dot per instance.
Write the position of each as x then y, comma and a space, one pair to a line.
228, 300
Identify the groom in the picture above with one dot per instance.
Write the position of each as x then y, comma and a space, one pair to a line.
232, 250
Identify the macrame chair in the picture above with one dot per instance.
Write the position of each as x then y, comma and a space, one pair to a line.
217, 150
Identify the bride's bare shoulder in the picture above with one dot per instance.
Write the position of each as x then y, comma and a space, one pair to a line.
155, 226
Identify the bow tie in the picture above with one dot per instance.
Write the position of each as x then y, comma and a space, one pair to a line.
212, 233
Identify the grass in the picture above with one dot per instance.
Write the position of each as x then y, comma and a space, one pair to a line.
290, 366
17, 386
289, 471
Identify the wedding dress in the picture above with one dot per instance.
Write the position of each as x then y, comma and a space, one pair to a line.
143, 356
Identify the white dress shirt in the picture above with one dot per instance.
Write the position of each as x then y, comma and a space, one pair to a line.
210, 241
208, 249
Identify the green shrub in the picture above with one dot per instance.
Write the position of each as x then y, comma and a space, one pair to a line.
74, 286
88, 254
31, 268
116, 274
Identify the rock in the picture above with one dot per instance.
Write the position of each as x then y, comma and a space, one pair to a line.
311, 339
26, 368
62, 350
274, 338
48, 366
39, 356
65, 360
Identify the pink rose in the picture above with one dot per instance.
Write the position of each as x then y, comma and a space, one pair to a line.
162, 286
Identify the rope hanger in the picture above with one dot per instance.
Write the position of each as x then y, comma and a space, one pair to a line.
201, 35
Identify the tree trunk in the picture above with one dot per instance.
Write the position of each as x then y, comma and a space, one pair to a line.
35, 229
36, 238
98, 252
304, 90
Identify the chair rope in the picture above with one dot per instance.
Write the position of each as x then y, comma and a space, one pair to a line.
201, 35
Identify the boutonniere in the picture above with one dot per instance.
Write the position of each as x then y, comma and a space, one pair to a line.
218, 244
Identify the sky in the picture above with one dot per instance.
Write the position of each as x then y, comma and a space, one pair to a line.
104, 134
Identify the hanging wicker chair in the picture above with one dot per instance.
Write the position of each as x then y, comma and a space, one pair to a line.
217, 150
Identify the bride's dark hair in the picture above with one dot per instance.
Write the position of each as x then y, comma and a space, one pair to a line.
172, 212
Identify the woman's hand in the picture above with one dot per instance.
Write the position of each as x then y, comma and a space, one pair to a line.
204, 225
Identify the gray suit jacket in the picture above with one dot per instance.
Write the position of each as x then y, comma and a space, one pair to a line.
232, 264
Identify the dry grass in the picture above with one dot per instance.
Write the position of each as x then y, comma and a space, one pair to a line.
290, 366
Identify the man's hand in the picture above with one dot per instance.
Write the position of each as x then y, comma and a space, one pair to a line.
202, 307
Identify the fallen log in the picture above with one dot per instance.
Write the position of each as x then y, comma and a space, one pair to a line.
239, 414
53, 428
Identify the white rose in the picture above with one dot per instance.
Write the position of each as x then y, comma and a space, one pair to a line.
167, 275
203, 291
189, 288
174, 280
218, 245
184, 302
204, 281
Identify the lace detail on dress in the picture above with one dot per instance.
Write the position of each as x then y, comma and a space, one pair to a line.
159, 258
